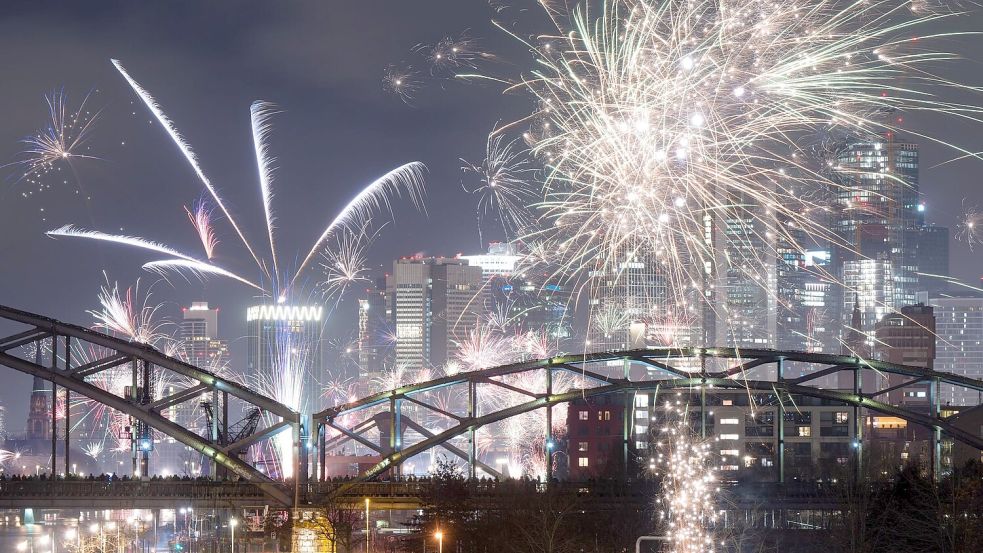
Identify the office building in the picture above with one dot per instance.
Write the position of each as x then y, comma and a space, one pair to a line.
906, 338
959, 345
434, 304
595, 437
879, 221
287, 337
199, 337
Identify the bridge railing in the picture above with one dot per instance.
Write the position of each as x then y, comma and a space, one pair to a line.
119, 489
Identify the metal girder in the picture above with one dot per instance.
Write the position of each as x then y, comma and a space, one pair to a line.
149, 354
22, 339
721, 379
99, 365
453, 449
179, 397
336, 441
905, 384
256, 437
141, 413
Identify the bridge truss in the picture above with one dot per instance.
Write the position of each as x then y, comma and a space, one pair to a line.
693, 370
46, 349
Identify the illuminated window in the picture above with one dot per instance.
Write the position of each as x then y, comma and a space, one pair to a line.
583, 415
582, 462
842, 417
728, 402
728, 421
805, 431
607, 415
733, 452
641, 401
729, 437
581, 446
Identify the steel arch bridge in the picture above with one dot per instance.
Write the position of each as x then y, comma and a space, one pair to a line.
690, 369
44, 339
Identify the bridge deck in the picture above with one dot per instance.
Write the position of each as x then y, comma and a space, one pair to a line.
400, 495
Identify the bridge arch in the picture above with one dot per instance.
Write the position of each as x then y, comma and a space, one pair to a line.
668, 369
143, 359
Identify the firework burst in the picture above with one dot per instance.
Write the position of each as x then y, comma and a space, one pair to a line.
403, 82
970, 227
64, 139
502, 184
661, 122
201, 220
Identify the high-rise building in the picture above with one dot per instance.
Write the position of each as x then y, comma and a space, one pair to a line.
199, 337
434, 304
281, 337
906, 338
959, 345
374, 340
879, 221
522, 301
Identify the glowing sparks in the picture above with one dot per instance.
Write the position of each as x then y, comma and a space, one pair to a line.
502, 184
201, 220
401, 82
63, 140
128, 314
970, 228
689, 484
344, 263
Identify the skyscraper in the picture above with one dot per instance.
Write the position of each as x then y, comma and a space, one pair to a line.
959, 345
530, 301
374, 342
434, 304
879, 223
286, 339
199, 337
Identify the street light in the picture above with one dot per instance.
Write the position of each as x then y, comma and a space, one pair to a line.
232, 525
368, 534
440, 541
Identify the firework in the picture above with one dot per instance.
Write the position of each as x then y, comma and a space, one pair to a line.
62, 141
344, 263
201, 220
129, 314
660, 123
689, 484
502, 184
452, 53
970, 228
401, 82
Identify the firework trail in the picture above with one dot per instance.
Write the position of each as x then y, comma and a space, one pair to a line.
201, 220
129, 314
62, 141
452, 53
502, 184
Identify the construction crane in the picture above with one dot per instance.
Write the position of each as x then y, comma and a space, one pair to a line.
235, 433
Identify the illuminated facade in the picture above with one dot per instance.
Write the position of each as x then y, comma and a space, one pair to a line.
199, 337
884, 242
959, 345
281, 334
432, 302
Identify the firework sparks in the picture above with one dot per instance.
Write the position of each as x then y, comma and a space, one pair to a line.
401, 82
201, 219
689, 484
62, 141
502, 184
344, 263
452, 53
659, 121
129, 314
970, 228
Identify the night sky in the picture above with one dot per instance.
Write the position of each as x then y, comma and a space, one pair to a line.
322, 62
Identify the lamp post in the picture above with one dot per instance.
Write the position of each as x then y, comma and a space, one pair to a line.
232, 526
440, 541
368, 533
